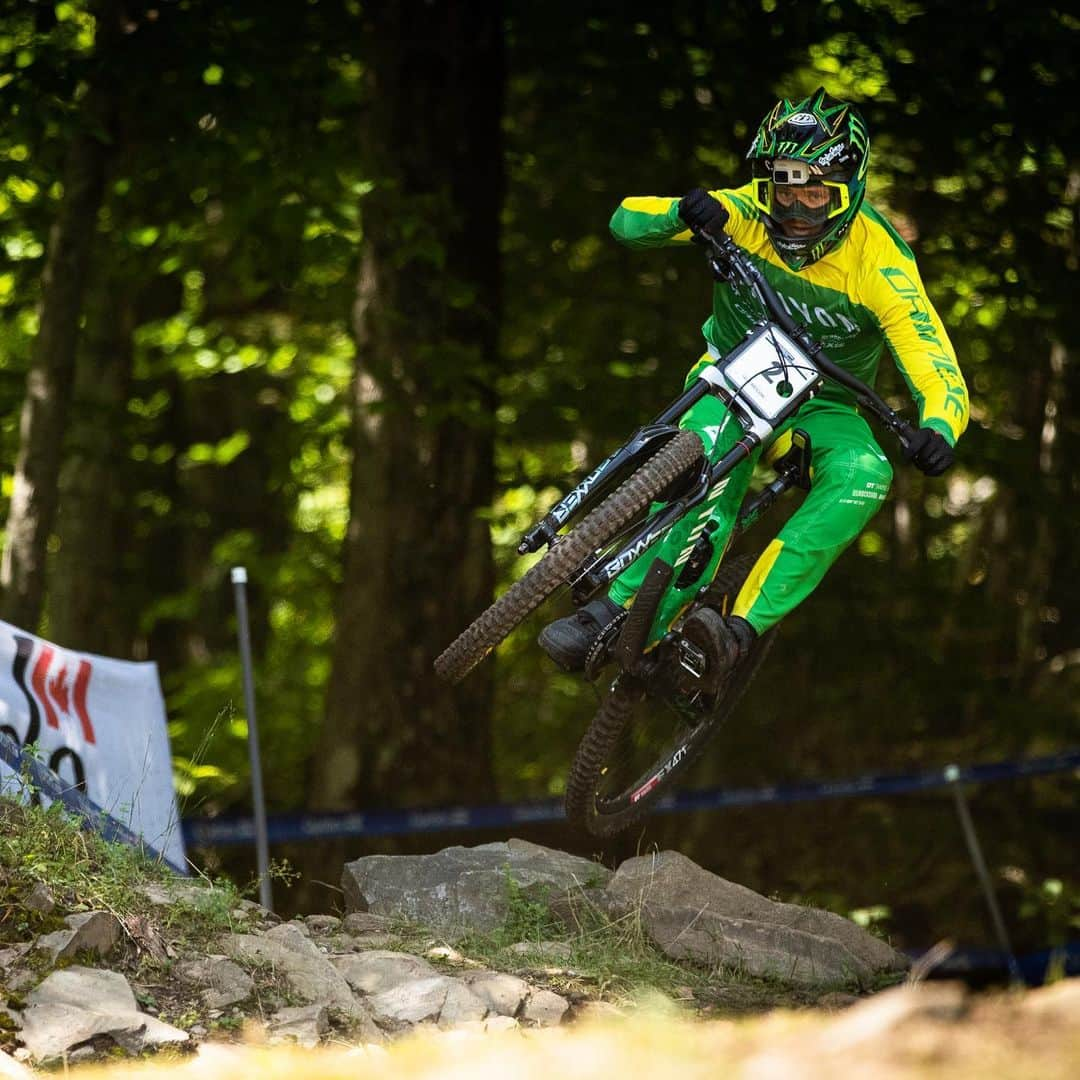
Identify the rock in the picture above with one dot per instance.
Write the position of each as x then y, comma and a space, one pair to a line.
361, 930
575, 909
19, 979
502, 994
363, 922
91, 931
693, 914
12, 955
425, 1001
224, 982
500, 1023
304, 1024
178, 891
346, 943
544, 1008
74, 1006
597, 1012
460, 886
293, 935
54, 944
40, 899
378, 971
461, 1006
322, 924
542, 950
308, 973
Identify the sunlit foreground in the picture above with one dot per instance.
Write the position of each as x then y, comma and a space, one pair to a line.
930, 1031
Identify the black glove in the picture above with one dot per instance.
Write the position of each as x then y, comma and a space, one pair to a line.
701, 212
930, 452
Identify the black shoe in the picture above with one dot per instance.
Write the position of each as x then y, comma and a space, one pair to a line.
720, 641
568, 641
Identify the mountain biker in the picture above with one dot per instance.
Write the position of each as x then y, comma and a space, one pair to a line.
841, 269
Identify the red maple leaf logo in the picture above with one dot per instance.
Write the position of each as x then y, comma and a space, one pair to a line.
58, 690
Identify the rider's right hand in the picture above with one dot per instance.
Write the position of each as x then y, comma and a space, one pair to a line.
701, 212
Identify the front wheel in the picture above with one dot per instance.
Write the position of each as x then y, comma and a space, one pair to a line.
646, 733
564, 557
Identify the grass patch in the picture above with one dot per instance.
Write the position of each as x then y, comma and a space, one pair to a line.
85, 872
82, 871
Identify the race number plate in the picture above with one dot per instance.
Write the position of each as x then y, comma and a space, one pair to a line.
769, 374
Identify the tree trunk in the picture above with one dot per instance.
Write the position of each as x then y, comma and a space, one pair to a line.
52, 360
86, 609
417, 556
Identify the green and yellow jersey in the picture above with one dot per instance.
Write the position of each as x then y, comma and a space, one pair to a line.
863, 295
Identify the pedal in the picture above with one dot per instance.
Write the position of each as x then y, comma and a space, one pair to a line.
692, 659
702, 648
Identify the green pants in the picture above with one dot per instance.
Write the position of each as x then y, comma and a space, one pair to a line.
850, 477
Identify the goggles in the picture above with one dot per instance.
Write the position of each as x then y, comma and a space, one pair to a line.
789, 193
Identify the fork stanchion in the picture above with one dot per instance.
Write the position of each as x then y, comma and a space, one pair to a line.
952, 775
262, 845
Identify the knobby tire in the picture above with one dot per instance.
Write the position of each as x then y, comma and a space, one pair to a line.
585, 807
565, 556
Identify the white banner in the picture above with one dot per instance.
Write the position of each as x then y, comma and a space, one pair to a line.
99, 724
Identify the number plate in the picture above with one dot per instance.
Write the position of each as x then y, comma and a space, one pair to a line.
769, 374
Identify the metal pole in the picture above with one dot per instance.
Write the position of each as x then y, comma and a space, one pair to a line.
262, 845
952, 775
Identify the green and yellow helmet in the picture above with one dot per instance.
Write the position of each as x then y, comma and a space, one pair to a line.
809, 161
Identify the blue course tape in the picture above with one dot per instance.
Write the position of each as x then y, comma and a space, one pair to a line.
221, 832
994, 965
45, 781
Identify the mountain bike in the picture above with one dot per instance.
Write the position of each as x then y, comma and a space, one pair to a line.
664, 703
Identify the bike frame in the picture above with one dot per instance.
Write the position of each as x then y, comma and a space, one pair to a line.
731, 265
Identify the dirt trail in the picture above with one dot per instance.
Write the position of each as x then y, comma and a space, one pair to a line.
932, 1031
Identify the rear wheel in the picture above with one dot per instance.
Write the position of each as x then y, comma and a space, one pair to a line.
647, 732
601, 526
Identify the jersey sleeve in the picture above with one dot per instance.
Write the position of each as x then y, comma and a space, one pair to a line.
649, 221
919, 344
645, 221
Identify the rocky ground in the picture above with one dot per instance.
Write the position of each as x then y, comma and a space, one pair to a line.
506, 940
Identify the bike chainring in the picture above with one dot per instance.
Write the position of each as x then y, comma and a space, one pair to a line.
602, 649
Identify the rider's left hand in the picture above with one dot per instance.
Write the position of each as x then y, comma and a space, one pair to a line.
930, 451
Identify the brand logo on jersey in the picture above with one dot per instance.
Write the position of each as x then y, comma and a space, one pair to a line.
802, 119
925, 328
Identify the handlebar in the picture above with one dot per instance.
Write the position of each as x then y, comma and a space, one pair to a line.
729, 263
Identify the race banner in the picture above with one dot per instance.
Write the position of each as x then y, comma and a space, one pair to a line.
99, 724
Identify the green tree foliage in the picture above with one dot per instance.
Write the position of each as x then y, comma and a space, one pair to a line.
213, 393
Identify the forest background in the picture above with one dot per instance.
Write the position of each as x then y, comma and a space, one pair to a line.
325, 289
